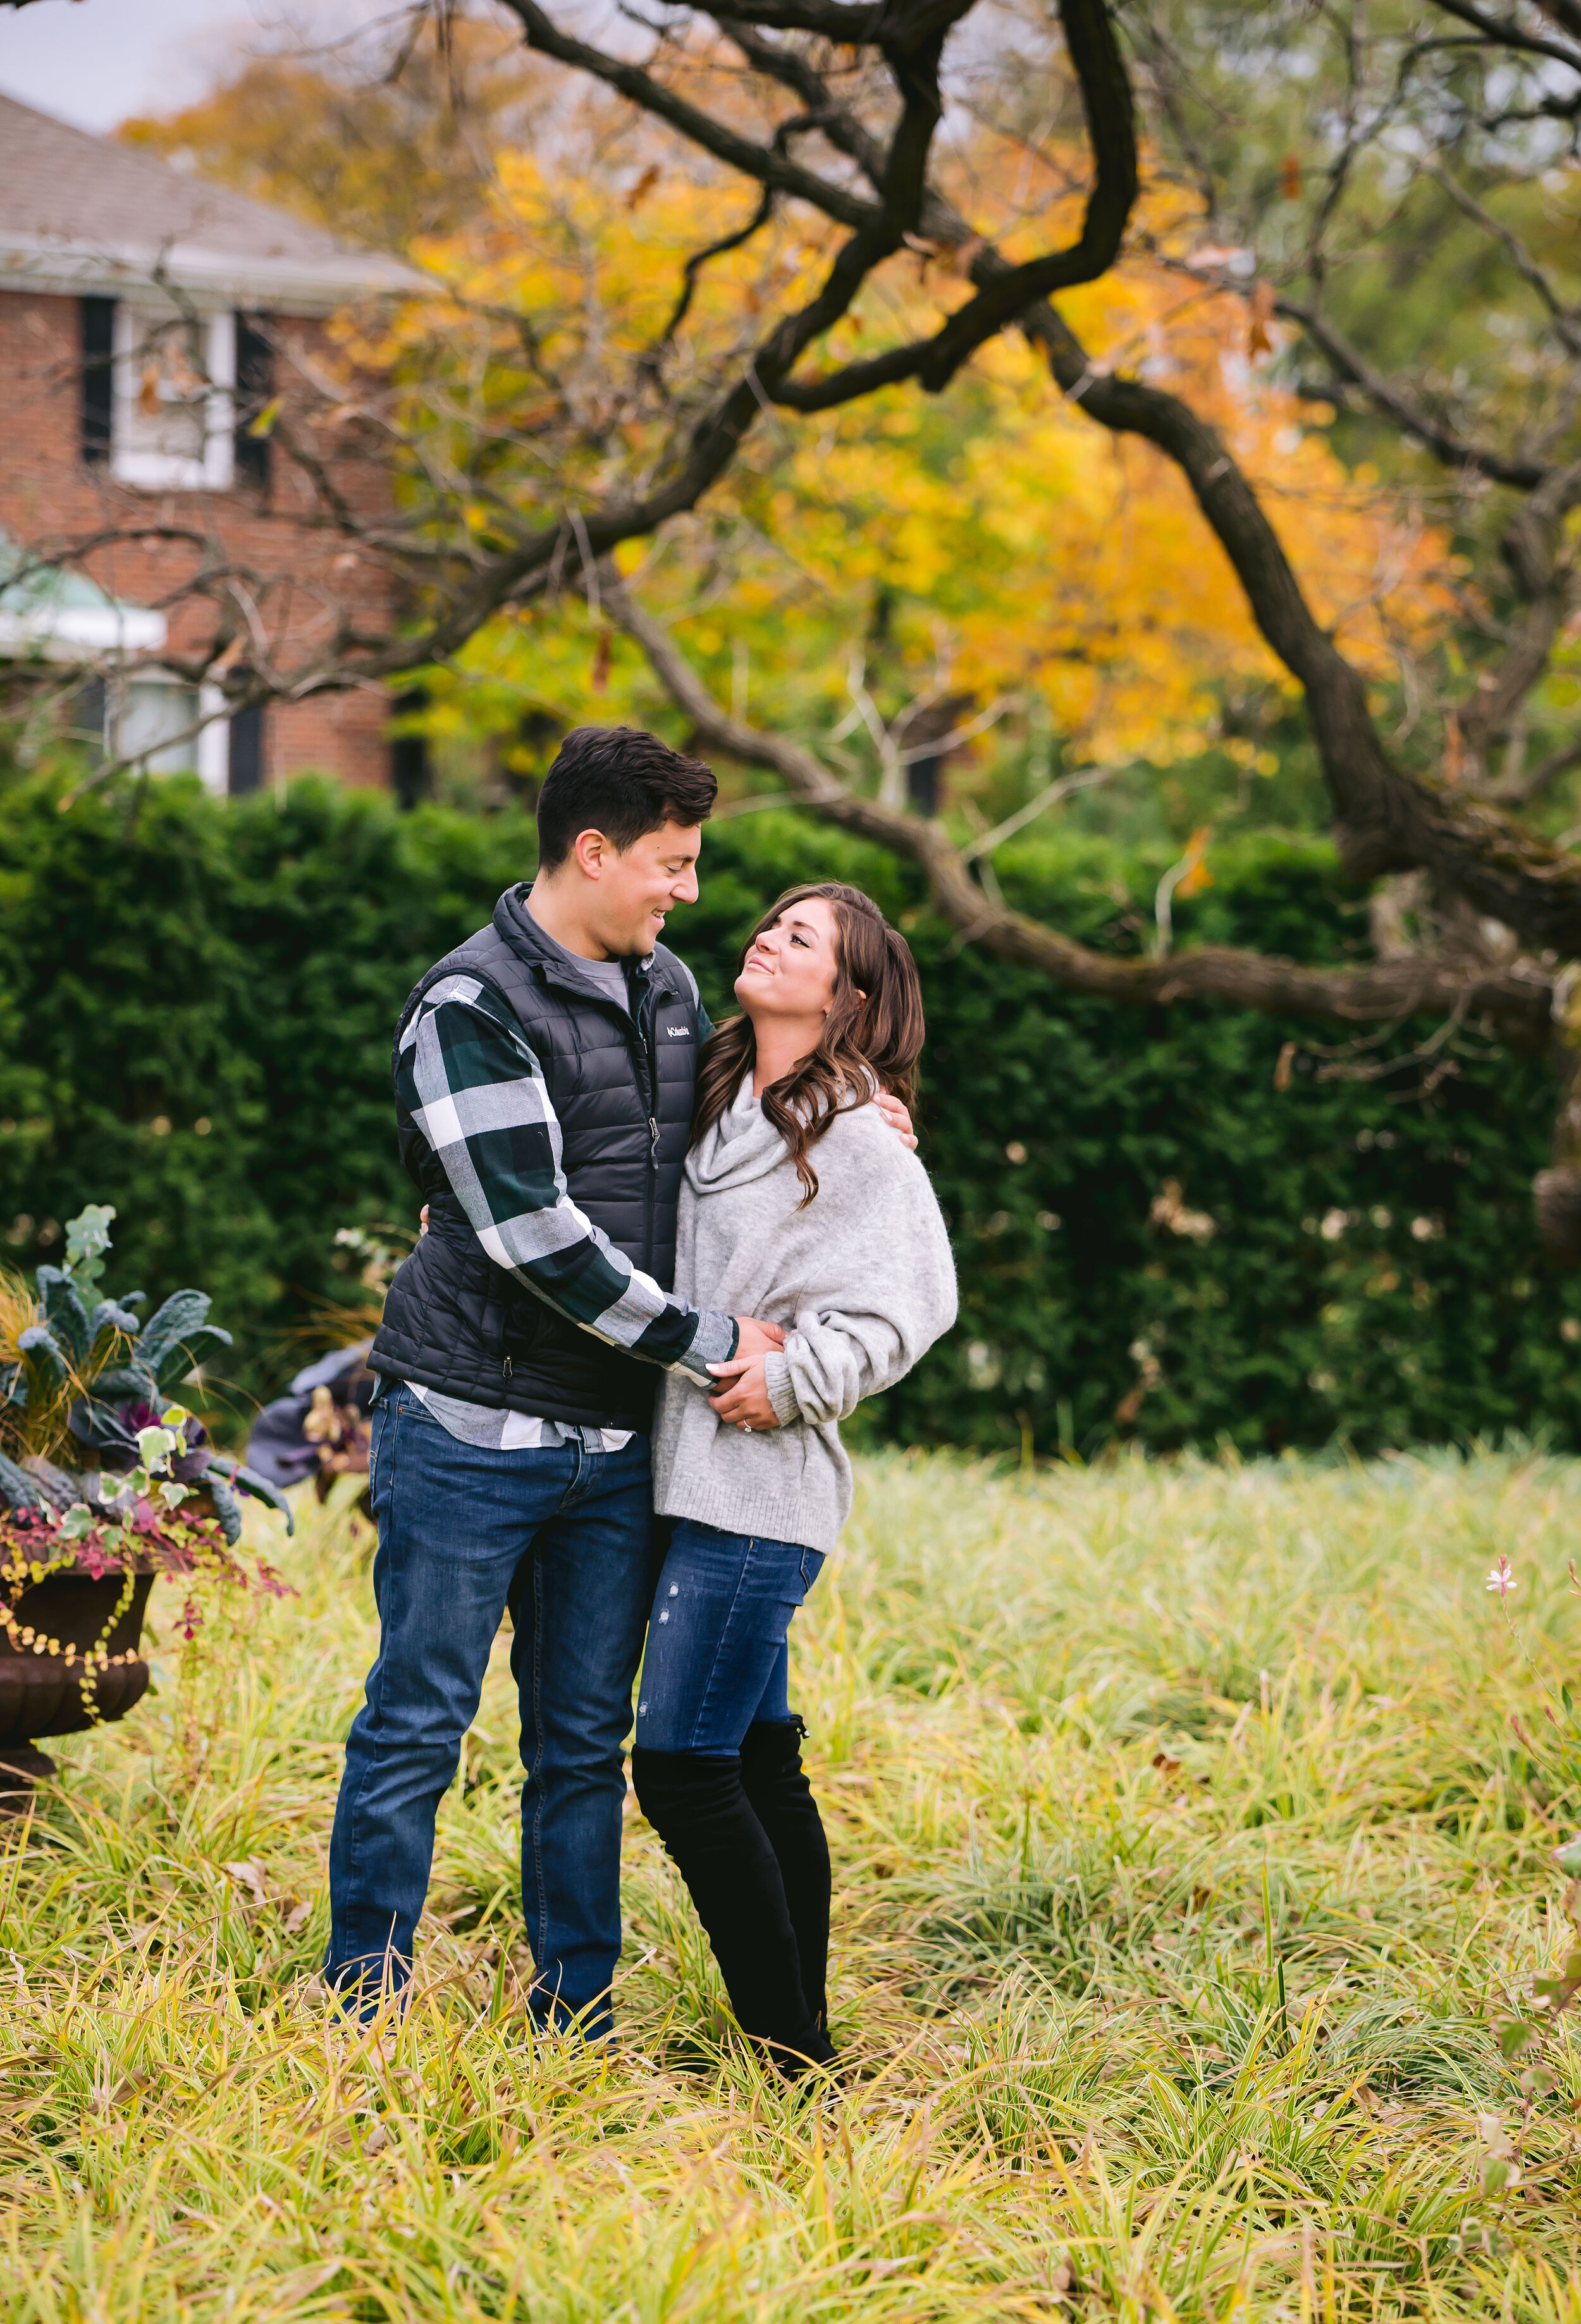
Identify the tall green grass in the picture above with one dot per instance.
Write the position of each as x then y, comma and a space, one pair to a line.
1192, 1829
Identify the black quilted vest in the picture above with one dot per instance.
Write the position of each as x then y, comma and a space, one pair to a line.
622, 1088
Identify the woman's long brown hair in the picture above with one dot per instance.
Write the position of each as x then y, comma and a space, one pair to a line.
873, 1032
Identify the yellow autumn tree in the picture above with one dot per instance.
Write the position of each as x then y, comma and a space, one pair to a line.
989, 544
984, 545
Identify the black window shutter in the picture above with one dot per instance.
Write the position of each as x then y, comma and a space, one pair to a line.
247, 750
410, 775
90, 711
254, 389
98, 347
921, 785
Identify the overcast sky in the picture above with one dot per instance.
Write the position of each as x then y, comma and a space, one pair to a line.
95, 61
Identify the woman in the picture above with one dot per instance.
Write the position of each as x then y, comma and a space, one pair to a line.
801, 1206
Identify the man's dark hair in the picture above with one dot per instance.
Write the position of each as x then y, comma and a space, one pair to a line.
620, 781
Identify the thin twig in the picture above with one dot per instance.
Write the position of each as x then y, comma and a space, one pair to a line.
1050, 795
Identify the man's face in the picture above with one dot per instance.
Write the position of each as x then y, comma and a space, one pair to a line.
638, 887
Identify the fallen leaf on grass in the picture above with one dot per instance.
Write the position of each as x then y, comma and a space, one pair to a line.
251, 1877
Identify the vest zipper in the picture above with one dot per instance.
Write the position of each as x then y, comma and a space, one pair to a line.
643, 1026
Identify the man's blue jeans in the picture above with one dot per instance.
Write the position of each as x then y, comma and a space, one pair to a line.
563, 1537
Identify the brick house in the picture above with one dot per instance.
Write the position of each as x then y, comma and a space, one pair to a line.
147, 319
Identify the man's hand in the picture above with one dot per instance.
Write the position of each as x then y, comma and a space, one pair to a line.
423, 1214
741, 1398
897, 1116
755, 1338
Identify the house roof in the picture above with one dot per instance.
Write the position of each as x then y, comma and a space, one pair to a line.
87, 214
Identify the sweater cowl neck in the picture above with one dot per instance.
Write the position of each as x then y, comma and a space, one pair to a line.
742, 1145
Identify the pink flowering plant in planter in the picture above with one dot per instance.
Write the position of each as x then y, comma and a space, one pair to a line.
106, 1483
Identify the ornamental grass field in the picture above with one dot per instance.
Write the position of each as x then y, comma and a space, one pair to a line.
1193, 1832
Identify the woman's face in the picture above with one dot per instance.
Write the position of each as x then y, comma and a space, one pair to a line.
791, 967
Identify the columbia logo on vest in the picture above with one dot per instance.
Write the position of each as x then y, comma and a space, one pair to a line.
679, 1032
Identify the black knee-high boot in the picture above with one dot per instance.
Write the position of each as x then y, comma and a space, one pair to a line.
700, 1809
782, 1798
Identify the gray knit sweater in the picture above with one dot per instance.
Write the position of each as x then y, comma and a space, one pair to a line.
863, 1281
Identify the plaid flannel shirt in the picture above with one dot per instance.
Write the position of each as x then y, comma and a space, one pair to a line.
468, 1075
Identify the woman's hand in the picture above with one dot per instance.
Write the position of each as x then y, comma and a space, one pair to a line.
741, 1398
897, 1116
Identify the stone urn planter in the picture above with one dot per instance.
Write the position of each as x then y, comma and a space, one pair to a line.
81, 1546
75, 1585
45, 1693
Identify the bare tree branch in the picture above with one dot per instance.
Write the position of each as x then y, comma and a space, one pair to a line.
1505, 33
792, 69
1524, 789
699, 260
1084, 778
1566, 14
701, 129
1389, 397
1563, 318
1532, 546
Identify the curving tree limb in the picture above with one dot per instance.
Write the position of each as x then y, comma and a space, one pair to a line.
1408, 985
1386, 819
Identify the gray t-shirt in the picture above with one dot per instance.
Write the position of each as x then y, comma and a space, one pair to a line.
608, 975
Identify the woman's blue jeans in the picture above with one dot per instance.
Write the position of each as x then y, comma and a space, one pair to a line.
717, 1657
564, 1537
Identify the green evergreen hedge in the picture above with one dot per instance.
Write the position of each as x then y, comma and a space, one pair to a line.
196, 1004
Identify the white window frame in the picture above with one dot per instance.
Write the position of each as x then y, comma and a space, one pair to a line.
214, 741
164, 472
211, 746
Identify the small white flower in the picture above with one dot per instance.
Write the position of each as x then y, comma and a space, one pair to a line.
1502, 1577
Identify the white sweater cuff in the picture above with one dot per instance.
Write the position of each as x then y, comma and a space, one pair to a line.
781, 1396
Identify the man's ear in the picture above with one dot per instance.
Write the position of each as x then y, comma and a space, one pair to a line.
592, 851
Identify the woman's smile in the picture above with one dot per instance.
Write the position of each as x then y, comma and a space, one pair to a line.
799, 955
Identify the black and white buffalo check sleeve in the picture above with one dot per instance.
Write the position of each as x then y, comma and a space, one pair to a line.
470, 1081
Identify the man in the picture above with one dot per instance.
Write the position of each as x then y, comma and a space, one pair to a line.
543, 1078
